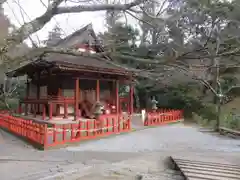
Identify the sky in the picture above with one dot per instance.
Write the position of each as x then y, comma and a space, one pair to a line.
20, 11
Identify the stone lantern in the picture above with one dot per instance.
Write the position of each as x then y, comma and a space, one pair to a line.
154, 103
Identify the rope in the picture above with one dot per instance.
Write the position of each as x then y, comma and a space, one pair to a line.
89, 130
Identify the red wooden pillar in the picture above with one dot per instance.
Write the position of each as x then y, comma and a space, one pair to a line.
38, 94
113, 96
117, 96
79, 98
76, 98
27, 97
59, 96
131, 99
97, 91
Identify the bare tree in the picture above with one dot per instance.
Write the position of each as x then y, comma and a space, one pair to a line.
55, 8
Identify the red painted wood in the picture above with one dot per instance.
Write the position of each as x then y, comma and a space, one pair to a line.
163, 117
29, 129
38, 93
46, 137
76, 99
97, 90
117, 96
131, 99
80, 98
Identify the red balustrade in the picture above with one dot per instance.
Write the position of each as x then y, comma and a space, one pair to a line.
28, 129
87, 129
163, 117
50, 135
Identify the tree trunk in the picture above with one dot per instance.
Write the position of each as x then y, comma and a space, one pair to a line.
218, 113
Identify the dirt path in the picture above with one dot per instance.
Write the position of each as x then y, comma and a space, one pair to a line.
121, 157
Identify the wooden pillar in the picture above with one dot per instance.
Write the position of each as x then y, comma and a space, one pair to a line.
112, 94
97, 91
76, 98
59, 96
26, 109
43, 111
38, 94
27, 96
131, 99
20, 108
50, 110
35, 108
79, 98
117, 96
27, 89
65, 110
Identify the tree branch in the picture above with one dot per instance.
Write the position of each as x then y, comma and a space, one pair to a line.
92, 8
29, 28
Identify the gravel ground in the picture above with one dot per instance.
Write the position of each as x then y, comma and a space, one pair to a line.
120, 157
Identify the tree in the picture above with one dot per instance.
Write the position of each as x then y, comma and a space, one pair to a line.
4, 24
203, 37
9, 88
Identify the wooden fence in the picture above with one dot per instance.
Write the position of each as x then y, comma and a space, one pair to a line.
163, 117
45, 135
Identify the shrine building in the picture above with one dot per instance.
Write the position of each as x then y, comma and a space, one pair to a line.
69, 87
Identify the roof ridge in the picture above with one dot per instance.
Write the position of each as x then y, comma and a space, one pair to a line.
81, 30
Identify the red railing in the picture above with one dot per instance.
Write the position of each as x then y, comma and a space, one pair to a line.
163, 117
28, 129
87, 129
46, 135
49, 97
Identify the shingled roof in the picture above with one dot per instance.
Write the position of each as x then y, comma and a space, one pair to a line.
69, 62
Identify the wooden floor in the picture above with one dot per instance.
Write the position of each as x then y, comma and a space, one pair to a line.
192, 169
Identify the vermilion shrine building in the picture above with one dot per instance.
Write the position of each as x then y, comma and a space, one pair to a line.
60, 85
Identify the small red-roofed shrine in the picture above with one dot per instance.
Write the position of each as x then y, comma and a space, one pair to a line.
60, 85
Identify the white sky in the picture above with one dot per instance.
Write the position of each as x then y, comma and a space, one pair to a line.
19, 11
